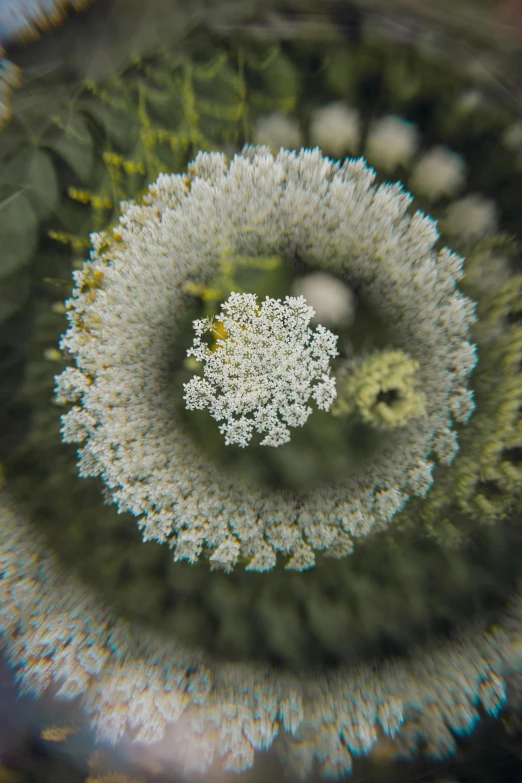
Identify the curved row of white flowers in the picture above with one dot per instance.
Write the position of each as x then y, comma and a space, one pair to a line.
121, 336
140, 687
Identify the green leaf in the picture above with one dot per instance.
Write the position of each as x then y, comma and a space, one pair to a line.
13, 175
73, 218
11, 139
32, 172
18, 229
120, 127
14, 292
339, 73
281, 77
42, 183
74, 145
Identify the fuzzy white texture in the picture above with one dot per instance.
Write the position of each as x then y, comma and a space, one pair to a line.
278, 131
332, 300
391, 142
336, 129
439, 172
262, 375
122, 336
471, 217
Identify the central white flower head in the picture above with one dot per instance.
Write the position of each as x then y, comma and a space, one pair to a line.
261, 376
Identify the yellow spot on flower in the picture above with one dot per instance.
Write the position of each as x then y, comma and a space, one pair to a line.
220, 333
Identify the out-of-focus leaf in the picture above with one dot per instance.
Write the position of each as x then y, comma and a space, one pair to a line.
117, 124
340, 75
73, 143
13, 294
18, 233
72, 217
37, 101
32, 172
132, 28
11, 139
13, 174
42, 183
281, 77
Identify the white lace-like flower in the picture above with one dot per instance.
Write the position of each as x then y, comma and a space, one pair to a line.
122, 336
262, 375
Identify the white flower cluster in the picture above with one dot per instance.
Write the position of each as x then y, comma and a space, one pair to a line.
137, 686
334, 303
391, 142
122, 337
471, 217
440, 172
336, 129
278, 131
262, 375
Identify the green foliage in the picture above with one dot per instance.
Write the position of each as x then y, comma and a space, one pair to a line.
339, 73
484, 483
104, 143
74, 145
18, 229
279, 78
13, 294
156, 117
34, 149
